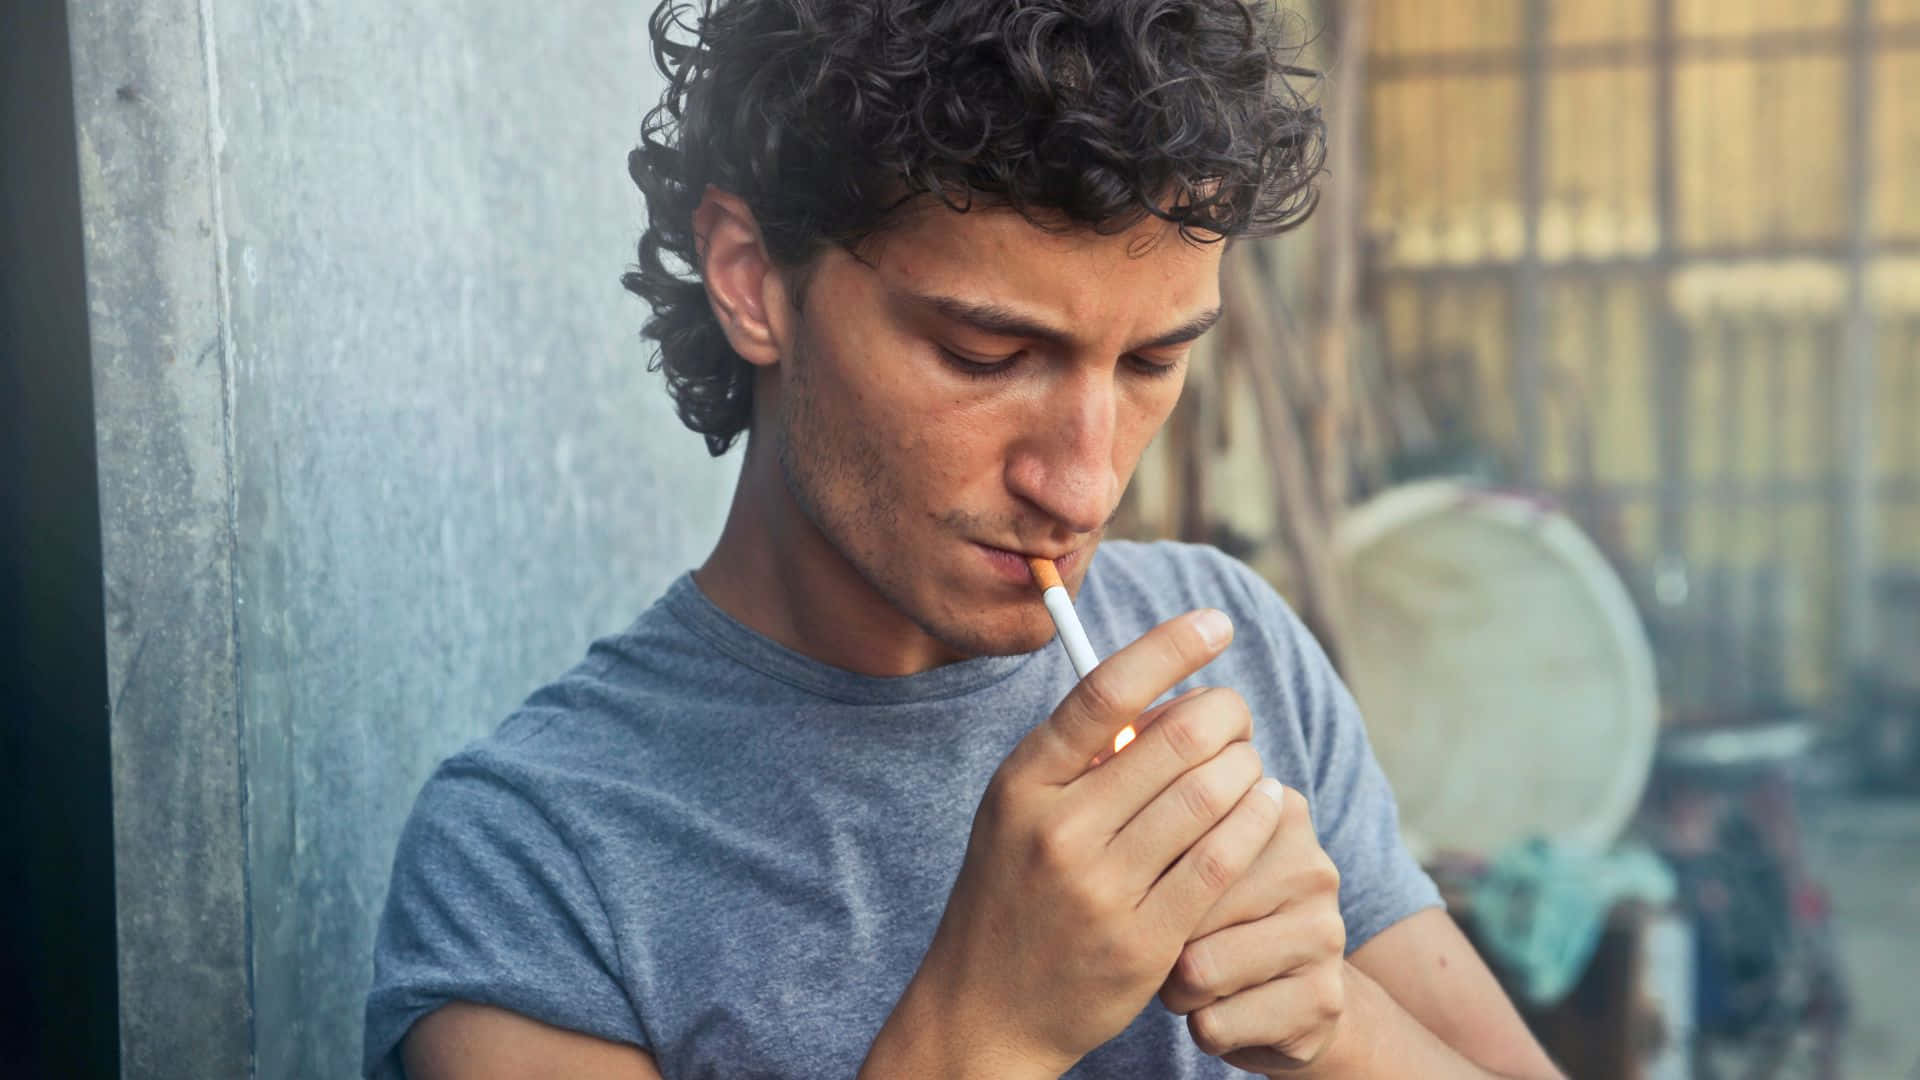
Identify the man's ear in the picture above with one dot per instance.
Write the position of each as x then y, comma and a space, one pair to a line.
748, 294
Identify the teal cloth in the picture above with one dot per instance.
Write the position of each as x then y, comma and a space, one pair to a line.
1540, 910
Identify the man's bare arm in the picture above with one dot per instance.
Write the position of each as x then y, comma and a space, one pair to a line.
463, 1041
1424, 995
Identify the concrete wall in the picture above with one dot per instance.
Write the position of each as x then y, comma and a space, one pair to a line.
378, 454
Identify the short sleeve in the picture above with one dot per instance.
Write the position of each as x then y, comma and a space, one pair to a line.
1354, 812
488, 904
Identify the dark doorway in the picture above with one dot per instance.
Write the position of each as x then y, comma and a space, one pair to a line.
58, 994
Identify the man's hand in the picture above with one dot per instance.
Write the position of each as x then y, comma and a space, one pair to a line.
1082, 884
1263, 982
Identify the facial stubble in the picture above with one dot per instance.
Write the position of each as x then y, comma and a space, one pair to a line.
835, 468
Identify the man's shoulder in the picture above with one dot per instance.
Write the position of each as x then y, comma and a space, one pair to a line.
1135, 586
1174, 576
606, 711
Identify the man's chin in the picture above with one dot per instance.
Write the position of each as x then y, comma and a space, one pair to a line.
979, 640
1016, 646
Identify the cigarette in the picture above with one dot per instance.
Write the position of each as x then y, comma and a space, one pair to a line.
1073, 636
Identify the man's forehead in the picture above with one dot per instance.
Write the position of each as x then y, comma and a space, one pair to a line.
929, 226
997, 258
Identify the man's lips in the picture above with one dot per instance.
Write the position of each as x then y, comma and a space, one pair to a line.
1012, 564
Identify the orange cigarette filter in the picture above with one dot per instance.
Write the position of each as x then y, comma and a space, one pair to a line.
1044, 574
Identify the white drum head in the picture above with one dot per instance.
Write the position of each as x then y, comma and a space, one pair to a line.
1505, 676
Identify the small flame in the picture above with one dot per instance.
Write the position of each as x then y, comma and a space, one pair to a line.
1122, 739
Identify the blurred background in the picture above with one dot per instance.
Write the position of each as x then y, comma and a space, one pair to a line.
1580, 423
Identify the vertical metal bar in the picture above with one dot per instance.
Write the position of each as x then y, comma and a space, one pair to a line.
1711, 507
1592, 405
1770, 650
1343, 195
1411, 358
1909, 359
1854, 394
1670, 384
1777, 434
1732, 353
1529, 291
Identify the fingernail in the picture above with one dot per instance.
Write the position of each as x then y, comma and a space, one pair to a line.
1272, 789
1215, 628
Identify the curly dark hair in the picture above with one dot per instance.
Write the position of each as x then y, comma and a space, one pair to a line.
827, 116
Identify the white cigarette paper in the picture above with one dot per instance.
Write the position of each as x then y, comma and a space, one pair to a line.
1073, 636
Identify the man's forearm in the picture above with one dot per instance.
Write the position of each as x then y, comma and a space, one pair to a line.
928, 1036
925, 1036
1378, 1038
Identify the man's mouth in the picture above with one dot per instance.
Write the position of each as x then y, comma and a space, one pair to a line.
1011, 563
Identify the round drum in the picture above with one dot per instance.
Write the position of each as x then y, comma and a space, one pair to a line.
1506, 680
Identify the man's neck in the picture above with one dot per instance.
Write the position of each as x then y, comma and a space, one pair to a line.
774, 572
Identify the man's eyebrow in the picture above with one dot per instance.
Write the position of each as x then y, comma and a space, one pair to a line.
1002, 321
1185, 332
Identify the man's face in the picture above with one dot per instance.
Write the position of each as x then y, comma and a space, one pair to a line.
975, 389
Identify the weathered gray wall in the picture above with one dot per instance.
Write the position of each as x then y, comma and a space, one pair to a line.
378, 454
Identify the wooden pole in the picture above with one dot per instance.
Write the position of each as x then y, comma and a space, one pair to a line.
1342, 197
1253, 337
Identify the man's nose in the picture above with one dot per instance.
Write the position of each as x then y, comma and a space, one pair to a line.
1064, 465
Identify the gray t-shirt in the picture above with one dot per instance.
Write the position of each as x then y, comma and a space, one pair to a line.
707, 845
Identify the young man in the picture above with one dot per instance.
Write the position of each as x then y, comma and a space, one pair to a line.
830, 807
